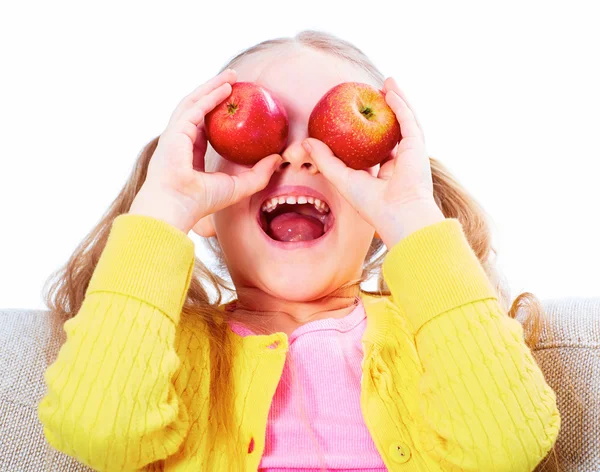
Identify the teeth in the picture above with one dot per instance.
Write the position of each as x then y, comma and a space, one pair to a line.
272, 203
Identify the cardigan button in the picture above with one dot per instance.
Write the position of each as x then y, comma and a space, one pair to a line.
399, 452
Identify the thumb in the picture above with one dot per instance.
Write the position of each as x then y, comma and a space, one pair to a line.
257, 178
354, 185
328, 164
267, 165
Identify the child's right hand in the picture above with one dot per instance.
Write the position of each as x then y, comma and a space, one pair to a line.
177, 189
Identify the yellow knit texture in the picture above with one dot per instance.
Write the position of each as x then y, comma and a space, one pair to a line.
448, 382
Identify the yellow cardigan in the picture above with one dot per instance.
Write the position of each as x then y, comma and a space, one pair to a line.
448, 382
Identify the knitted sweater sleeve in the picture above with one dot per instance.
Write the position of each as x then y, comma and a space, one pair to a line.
484, 401
110, 400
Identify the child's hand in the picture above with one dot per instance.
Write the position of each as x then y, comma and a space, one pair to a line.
403, 186
177, 189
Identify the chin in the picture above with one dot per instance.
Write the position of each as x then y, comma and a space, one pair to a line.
296, 288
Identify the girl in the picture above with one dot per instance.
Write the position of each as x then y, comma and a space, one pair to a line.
304, 370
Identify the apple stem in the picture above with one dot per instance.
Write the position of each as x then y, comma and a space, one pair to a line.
367, 112
231, 108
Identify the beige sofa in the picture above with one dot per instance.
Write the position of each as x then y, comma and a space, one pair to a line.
570, 362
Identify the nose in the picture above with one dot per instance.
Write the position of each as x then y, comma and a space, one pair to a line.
294, 156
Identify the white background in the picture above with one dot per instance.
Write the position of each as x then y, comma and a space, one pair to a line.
507, 93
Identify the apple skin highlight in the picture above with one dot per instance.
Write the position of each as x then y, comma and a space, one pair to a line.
357, 124
248, 125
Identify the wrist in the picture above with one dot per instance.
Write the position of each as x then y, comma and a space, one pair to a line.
161, 206
406, 220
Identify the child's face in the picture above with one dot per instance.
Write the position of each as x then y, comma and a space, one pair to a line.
299, 78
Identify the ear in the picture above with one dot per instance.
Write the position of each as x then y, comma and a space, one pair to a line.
205, 227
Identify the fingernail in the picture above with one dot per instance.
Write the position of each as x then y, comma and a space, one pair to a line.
307, 147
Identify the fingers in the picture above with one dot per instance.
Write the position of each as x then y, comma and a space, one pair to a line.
391, 85
254, 180
328, 164
189, 122
352, 184
227, 76
207, 103
408, 124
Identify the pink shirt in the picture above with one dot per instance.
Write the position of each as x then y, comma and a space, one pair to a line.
326, 356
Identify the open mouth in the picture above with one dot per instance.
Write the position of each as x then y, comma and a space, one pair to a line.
295, 218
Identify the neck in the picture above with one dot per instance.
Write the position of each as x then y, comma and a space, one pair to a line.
256, 308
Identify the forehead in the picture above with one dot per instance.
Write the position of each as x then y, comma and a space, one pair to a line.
298, 74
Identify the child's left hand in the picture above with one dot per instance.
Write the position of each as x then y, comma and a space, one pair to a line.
400, 199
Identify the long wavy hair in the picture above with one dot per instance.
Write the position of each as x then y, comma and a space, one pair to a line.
65, 289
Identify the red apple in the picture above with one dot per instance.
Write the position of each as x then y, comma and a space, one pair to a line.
357, 124
248, 125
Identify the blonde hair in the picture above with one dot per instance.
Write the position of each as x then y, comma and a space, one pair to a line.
65, 289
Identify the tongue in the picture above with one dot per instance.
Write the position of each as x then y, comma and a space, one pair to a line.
295, 227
